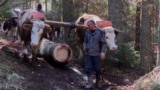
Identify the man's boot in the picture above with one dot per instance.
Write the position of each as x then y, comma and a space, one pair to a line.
89, 82
98, 82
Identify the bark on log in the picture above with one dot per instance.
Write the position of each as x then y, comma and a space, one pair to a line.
64, 24
55, 53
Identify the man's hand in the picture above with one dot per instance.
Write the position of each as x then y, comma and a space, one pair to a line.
102, 56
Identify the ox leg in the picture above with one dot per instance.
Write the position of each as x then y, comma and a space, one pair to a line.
10, 33
15, 34
51, 34
21, 52
34, 53
80, 54
25, 52
6, 34
81, 57
34, 56
29, 54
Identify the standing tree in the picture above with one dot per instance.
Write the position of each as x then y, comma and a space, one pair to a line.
68, 15
3, 2
158, 32
115, 15
46, 5
137, 29
53, 4
146, 63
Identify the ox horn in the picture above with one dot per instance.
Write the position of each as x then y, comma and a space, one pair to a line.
117, 30
28, 26
47, 28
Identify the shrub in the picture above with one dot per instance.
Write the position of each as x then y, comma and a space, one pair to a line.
5, 11
125, 57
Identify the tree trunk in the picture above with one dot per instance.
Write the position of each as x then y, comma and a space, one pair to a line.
115, 15
68, 16
3, 2
53, 5
86, 8
26, 3
158, 32
137, 29
146, 60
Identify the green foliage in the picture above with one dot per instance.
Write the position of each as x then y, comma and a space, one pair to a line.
5, 11
156, 85
125, 57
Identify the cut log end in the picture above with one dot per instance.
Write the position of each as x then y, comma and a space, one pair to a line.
62, 53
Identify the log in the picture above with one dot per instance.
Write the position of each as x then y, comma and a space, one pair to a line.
64, 24
55, 53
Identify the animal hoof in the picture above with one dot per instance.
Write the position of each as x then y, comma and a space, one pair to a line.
30, 60
30, 56
21, 55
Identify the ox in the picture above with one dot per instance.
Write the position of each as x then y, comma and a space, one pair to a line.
10, 25
106, 26
31, 30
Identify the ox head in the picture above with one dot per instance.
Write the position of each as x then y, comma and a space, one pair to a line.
36, 32
33, 21
16, 12
38, 28
110, 36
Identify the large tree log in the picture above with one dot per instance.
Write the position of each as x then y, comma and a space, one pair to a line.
64, 24
55, 53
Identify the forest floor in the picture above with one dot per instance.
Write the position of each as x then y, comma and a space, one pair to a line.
17, 74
